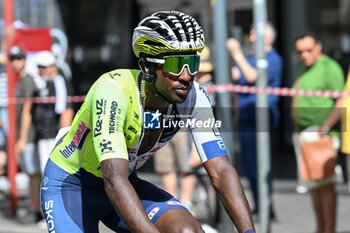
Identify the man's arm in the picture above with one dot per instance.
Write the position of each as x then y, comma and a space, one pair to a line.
333, 118
123, 196
26, 119
226, 182
66, 117
236, 53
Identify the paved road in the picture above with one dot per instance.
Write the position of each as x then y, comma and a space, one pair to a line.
294, 211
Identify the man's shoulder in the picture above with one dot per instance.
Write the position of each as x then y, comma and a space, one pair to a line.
119, 82
275, 56
328, 64
124, 78
118, 74
330, 61
27, 81
28, 77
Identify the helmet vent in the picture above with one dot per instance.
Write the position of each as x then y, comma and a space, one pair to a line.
149, 42
157, 28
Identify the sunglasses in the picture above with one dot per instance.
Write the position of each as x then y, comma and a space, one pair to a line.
176, 64
16, 58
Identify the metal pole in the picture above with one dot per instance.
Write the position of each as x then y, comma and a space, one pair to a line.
262, 113
11, 137
223, 99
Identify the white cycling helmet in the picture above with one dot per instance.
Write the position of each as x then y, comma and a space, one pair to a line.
167, 32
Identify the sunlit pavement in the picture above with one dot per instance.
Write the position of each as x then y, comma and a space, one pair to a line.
293, 211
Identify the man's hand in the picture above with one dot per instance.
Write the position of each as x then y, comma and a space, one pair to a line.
234, 48
20, 145
236, 74
323, 130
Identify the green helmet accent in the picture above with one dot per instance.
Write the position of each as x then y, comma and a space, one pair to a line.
167, 32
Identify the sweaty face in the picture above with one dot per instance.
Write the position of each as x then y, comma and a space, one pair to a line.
174, 88
309, 50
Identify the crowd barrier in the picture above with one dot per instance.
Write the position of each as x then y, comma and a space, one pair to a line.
218, 88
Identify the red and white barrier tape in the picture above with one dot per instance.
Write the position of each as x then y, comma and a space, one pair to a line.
47, 100
275, 91
219, 88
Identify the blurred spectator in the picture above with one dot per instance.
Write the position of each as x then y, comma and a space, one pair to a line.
3, 114
171, 160
50, 117
25, 145
245, 73
319, 72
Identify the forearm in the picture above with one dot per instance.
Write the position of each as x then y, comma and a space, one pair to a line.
128, 206
335, 115
232, 196
248, 71
236, 53
26, 119
66, 118
123, 196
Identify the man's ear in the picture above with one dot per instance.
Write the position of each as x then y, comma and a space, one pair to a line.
143, 67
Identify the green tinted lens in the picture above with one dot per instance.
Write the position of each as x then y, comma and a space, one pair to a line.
175, 64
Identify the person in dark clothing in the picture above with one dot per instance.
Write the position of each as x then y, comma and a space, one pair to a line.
50, 117
26, 134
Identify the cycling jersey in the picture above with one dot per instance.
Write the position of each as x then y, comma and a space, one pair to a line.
109, 124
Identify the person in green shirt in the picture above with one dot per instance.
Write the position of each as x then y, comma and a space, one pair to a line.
319, 72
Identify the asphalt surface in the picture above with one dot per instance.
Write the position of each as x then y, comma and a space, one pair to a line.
294, 211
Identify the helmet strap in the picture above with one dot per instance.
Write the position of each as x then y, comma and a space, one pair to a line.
148, 70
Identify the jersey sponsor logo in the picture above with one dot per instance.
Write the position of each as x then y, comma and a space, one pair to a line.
137, 116
44, 183
153, 212
152, 120
214, 148
112, 117
117, 74
77, 142
80, 135
216, 131
68, 150
128, 137
100, 109
132, 129
174, 203
113, 75
105, 146
48, 215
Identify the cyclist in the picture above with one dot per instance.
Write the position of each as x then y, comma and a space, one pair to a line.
91, 174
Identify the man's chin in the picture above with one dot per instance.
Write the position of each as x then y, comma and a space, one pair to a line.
177, 99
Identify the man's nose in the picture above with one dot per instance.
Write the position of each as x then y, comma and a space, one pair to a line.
185, 76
